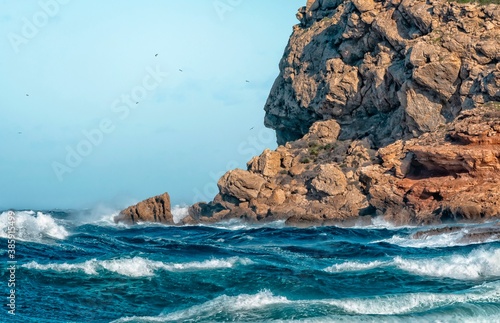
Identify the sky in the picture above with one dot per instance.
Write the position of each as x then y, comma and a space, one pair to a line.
111, 102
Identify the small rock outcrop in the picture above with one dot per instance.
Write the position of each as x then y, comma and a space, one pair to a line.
471, 235
155, 209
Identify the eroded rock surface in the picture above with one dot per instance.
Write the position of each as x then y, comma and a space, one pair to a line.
155, 209
452, 173
393, 69
305, 181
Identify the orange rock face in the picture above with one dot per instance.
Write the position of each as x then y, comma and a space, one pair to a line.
155, 209
452, 173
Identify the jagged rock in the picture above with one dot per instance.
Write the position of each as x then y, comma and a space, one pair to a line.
450, 173
401, 67
364, 5
267, 164
330, 180
241, 184
278, 197
155, 209
471, 235
323, 132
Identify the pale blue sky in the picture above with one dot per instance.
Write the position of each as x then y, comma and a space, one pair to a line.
79, 64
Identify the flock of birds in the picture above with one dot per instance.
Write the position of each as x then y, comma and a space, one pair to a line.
156, 55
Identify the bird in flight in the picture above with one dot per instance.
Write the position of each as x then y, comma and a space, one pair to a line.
19, 133
27, 94
180, 70
247, 81
137, 103
252, 128
156, 55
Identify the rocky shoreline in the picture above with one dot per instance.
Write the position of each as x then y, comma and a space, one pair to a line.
382, 108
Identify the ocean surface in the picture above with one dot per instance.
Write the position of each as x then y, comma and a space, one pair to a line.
81, 267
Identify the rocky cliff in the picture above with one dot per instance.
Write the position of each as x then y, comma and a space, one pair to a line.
388, 70
381, 108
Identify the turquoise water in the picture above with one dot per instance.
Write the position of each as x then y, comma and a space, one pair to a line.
77, 268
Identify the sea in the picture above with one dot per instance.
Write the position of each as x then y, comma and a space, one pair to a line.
79, 266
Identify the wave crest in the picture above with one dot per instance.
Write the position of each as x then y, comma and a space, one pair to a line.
354, 266
33, 227
224, 303
478, 264
245, 307
137, 266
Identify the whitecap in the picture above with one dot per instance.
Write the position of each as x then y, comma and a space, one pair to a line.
88, 267
224, 303
354, 266
394, 308
442, 240
236, 225
137, 266
417, 302
378, 222
32, 227
481, 263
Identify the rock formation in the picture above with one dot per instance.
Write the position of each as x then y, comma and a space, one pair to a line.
451, 173
155, 209
382, 107
471, 235
390, 69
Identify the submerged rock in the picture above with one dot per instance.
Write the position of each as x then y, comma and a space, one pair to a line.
467, 236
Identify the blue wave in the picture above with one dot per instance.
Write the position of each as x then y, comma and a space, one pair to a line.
74, 270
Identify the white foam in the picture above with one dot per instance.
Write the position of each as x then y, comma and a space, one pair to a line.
101, 215
138, 266
236, 225
379, 222
33, 227
224, 303
354, 266
179, 212
432, 241
88, 267
413, 303
384, 306
479, 264
441, 240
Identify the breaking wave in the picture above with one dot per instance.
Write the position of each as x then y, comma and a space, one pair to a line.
179, 212
478, 264
354, 266
224, 303
137, 266
33, 227
246, 307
